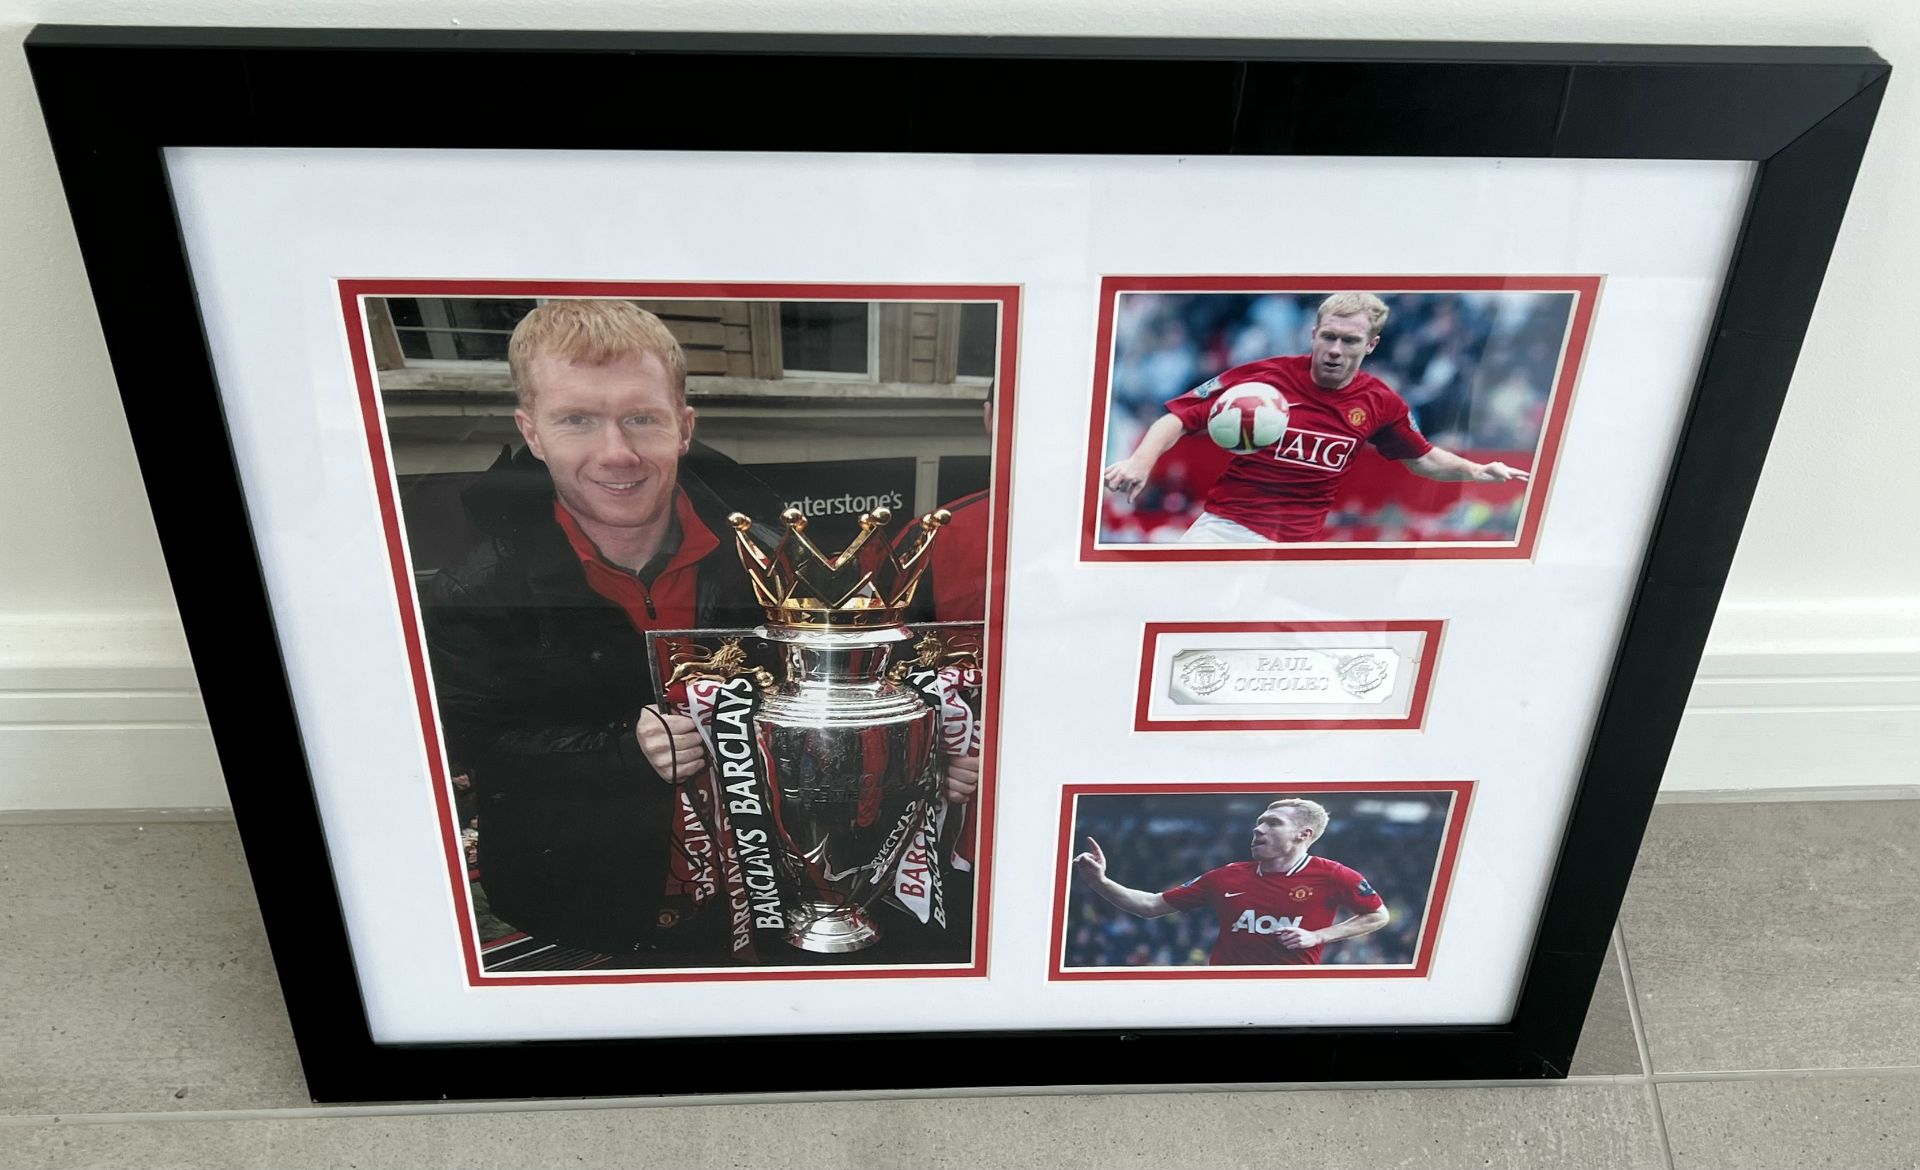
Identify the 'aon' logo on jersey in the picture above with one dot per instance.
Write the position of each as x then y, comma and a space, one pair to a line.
1264, 923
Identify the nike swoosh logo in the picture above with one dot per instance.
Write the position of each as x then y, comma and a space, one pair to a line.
1235, 894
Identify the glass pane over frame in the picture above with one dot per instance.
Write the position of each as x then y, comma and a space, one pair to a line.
1519, 757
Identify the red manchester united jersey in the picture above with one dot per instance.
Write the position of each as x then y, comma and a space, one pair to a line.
1253, 907
958, 575
1283, 492
954, 589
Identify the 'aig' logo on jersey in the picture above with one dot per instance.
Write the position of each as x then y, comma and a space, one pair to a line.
1264, 923
1315, 449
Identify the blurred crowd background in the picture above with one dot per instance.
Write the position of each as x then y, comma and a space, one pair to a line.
1476, 369
1155, 842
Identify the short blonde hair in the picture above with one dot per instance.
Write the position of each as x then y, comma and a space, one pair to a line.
592, 333
1308, 813
1353, 304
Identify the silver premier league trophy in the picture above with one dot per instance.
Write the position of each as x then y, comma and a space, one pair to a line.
826, 774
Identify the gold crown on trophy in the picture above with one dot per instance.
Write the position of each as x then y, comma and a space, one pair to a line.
863, 587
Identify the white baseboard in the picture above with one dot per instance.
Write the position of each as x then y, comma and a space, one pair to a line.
1804, 696
101, 711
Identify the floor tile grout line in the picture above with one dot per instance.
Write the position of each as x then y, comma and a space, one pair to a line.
553, 1105
1836, 794
590, 1104
108, 817
564, 1105
1639, 1026
1635, 1020
540, 1105
1893, 1071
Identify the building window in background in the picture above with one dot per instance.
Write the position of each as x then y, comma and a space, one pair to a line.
466, 329
979, 342
830, 339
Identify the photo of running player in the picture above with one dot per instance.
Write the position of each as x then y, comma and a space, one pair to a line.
1343, 876
1291, 421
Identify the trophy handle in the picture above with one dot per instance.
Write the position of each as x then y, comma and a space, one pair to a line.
931, 652
729, 661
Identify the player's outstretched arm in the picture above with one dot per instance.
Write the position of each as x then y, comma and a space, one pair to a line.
1445, 465
1131, 474
1092, 868
1296, 939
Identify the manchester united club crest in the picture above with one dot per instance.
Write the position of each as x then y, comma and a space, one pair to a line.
1300, 893
1205, 674
1361, 674
1357, 416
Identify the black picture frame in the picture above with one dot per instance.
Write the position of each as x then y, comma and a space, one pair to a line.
114, 97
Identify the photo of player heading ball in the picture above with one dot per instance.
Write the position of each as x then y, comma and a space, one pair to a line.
1337, 879
1388, 417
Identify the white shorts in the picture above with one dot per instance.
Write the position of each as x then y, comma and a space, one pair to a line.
1211, 529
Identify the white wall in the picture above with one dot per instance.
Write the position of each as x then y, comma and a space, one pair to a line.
1812, 677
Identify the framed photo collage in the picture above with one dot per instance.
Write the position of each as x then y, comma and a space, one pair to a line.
816, 609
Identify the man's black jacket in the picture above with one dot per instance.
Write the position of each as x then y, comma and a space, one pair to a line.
539, 681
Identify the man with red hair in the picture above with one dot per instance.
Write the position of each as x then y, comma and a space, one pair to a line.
609, 522
1284, 491
1280, 909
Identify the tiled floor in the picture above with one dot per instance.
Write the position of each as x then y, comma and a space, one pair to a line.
1763, 1009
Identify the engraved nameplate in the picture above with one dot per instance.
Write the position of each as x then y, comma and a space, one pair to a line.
1283, 677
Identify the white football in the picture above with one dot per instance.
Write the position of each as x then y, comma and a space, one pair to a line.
1248, 417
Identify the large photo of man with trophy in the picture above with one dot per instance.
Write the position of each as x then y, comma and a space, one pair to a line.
668, 555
